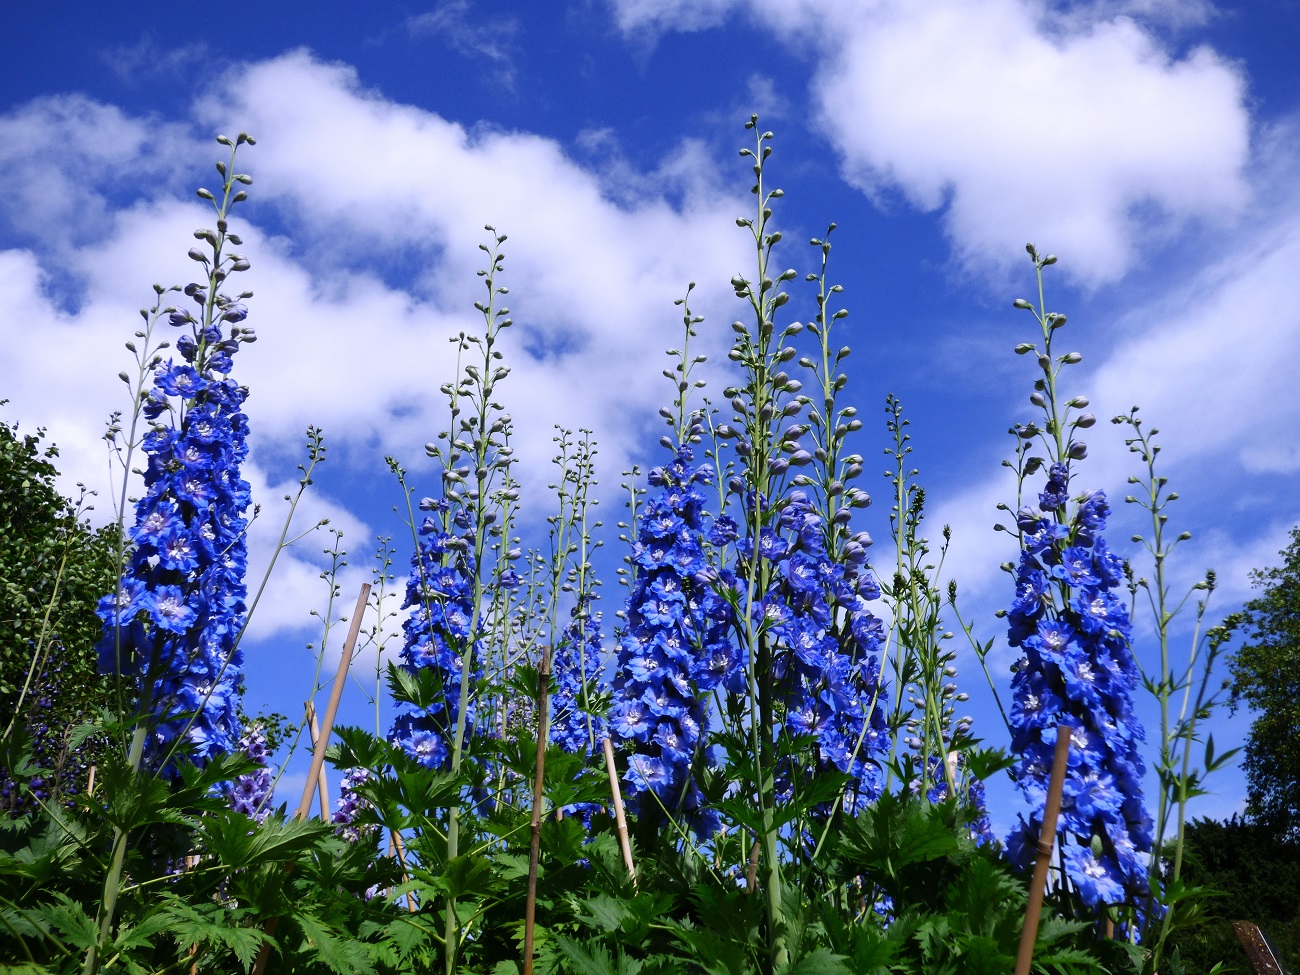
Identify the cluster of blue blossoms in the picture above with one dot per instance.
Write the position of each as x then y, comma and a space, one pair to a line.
577, 670
828, 673
350, 804
251, 792
439, 633
175, 621
980, 830
680, 646
676, 651
1077, 669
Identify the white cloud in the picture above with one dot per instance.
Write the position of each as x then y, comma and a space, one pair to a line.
593, 269
592, 274
1209, 360
1081, 133
654, 17
493, 38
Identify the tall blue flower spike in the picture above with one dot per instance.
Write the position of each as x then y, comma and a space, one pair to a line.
174, 622
1076, 666
677, 649
439, 632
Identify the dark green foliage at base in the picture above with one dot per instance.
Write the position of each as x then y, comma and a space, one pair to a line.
53, 570
1266, 676
1257, 876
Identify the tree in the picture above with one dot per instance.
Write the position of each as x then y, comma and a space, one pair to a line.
1257, 874
1266, 675
54, 568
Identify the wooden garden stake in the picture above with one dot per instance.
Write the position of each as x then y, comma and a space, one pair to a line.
398, 848
313, 726
318, 752
90, 782
332, 709
534, 848
751, 872
619, 818
1046, 839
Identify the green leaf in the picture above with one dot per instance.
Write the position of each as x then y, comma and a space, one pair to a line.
341, 955
820, 962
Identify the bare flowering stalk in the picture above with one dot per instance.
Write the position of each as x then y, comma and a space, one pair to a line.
1186, 693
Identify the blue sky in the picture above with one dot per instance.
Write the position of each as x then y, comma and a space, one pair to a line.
1151, 144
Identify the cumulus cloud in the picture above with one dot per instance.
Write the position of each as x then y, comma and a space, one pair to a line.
1017, 120
493, 38
365, 251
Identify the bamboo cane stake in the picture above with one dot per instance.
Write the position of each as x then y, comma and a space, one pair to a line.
322, 786
530, 910
332, 709
90, 782
398, 848
1046, 839
318, 752
751, 872
620, 817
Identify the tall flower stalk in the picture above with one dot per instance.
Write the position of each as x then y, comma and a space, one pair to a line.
793, 573
452, 572
1076, 666
177, 615
1185, 692
171, 628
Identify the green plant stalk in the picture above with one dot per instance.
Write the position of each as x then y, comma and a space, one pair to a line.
490, 315
113, 881
761, 652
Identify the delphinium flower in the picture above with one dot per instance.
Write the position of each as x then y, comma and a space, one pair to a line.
440, 635
826, 665
802, 586
350, 803
175, 619
677, 649
578, 672
563, 582
969, 789
1076, 666
251, 792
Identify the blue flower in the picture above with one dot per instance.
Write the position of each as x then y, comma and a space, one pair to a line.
676, 648
175, 622
1078, 669
439, 631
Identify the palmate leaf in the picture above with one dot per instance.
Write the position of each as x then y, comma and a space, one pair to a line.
603, 912
210, 926
470, 875
596, 960
896, 833
24, 968
240, 843
822, 961
409, 934
55, 851
987, 898
980, 954
711, 954
69, 919
342, 955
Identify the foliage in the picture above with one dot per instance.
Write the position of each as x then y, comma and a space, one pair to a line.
204, 882
1266, 676
53, 569
1256, 875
